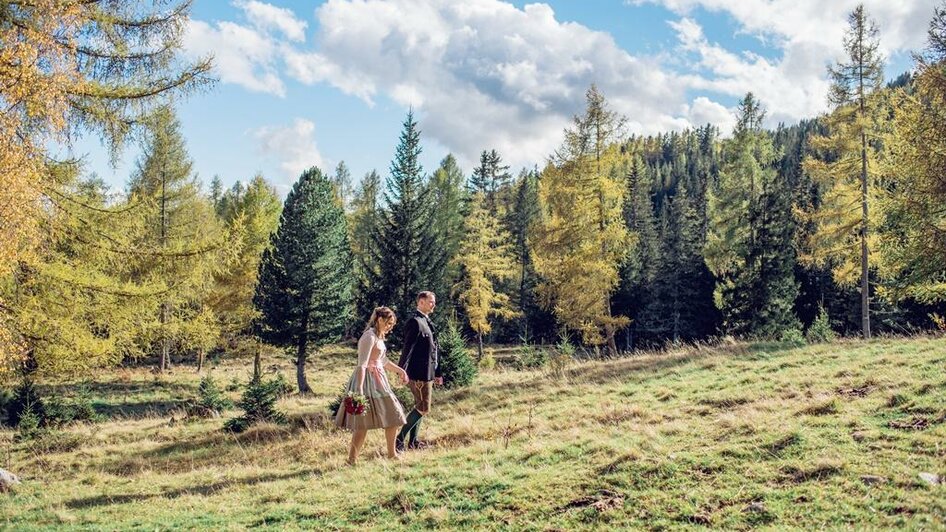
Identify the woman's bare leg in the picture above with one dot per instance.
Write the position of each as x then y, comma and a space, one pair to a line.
390, 434
357, 441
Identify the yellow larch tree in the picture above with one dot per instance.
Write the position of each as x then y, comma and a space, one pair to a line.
580, 239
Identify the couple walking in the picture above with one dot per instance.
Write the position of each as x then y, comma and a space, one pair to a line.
418, 367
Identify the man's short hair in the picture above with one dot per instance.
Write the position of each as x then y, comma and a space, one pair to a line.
426, 294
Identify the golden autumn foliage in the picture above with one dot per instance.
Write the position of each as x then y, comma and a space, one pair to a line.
837, 239
580, 239
913, 252
66, 67
485, 257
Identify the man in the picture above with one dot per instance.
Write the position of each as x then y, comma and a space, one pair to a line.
419, 360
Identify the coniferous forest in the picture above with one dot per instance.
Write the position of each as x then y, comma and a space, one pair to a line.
618, 242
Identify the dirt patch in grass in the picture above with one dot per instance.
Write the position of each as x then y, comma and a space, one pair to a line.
778, 447
798, 475
915, 422
725, 403
823, 408
601, 502
858, 391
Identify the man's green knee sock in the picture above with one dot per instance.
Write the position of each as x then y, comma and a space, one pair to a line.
413, 419
412, 439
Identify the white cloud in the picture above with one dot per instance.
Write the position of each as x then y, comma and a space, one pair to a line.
789, 88
293, 147
705, 111
483, 73
242, 55
249, 56
817, 21
808, 33
268, 17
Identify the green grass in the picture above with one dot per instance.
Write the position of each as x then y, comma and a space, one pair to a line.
732, 437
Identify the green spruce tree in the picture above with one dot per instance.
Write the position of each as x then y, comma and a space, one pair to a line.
363, 222
408, 257
304, 290
448, 195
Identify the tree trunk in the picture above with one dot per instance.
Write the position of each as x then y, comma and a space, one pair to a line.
200, 360
479, 354
300, 368
612, 345
865, 281
165, 343
257, 362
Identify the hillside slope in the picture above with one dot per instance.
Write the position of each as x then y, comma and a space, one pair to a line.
732, 437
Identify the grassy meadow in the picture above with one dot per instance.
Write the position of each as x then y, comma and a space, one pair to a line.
733, 436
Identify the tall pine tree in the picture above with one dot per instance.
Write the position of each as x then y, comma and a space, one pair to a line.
638, 274
408, 257
448, 196
304, 291
749, 246
682, 308
180, 238
251, 215
343, 187
363, 223
913, 248
491, 178
532, 320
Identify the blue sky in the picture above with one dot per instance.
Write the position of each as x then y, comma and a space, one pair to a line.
312, 83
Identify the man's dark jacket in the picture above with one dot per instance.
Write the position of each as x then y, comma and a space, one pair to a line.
419, 354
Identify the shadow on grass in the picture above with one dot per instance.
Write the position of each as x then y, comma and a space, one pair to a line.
219, 445
127, 400
118, 388
144, 409
202, 490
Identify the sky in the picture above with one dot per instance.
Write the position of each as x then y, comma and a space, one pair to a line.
305, 83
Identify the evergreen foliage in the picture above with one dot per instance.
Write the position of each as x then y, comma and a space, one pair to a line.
210, 399
364, 220
404, 239
259, 405
459, 369
184, 245
304, 288
450, 198
912, 253
820, 330
343, 187
250, 214
682, 308
492, 179
73, 67
27, 404
849, 179
533, 320
580, 238
750, 241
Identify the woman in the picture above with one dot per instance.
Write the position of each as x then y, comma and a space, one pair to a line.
384, 410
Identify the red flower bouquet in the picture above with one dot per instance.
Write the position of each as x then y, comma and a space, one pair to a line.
356, 404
